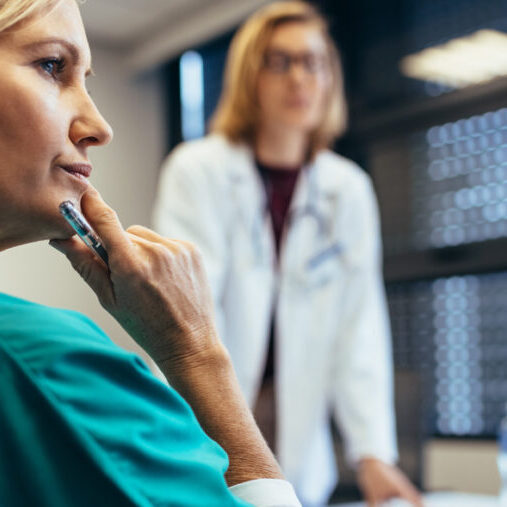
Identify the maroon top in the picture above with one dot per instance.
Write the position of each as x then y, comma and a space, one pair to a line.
279, 184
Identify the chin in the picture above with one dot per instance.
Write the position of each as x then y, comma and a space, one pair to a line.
54, 226
63, 235
301, 121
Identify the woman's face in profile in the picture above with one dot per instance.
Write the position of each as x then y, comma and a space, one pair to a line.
294, 82
47, 122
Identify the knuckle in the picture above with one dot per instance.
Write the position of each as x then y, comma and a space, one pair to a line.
195, 254
107, 215
136, 229
128, 266
190, 249
188, 245
182, 252
160, 251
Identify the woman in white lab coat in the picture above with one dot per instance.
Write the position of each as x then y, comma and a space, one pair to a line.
290, 237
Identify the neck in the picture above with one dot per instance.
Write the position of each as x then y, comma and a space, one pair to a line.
14, 230
281, 147
11, 238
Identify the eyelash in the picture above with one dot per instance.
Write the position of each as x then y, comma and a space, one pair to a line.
59, 68
58, 63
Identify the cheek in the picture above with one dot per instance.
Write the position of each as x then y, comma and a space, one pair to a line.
261, 94
322, 88
321, 98
267, 95
30, 139
30, 125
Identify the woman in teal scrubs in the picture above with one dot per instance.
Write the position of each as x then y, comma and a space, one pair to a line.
83, 422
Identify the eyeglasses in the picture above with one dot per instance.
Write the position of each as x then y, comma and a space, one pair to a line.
280, 62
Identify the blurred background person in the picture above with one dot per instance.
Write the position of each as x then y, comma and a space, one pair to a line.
289, 232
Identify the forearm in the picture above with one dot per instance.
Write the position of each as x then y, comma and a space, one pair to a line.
156, 289
211, 388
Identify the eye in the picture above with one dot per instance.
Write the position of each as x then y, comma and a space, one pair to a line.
52, 66
276, 61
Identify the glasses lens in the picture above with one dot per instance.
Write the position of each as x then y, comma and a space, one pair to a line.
280, 62
277, 61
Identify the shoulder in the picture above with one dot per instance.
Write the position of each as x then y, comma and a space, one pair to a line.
38, 335
22, 316
100, 399
338, 174
205, 167
212, 151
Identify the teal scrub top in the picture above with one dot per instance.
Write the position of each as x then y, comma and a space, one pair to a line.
85, 423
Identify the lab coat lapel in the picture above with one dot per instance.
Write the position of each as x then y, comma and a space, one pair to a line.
309, 228
250, 203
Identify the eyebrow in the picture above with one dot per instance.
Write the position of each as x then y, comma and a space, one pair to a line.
71, 48
286, 49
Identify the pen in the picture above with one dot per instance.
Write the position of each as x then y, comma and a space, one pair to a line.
83, 229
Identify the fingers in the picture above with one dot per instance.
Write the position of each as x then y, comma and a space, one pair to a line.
405, 489
381, 482
413, 498
105, 222
83, 260
412, 495
174, 245
145, 233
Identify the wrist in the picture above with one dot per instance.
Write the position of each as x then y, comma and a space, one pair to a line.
194, 365
365, 460
207, 381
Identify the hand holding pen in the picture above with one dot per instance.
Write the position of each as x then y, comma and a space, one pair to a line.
83, 229
155, 287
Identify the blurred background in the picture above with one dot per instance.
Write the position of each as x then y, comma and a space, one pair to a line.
426, 84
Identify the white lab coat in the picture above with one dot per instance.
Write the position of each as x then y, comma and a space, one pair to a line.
333, 354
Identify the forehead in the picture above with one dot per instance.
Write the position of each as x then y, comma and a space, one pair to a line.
59, 22
298, 36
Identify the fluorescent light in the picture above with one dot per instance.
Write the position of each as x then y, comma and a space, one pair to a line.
461, 62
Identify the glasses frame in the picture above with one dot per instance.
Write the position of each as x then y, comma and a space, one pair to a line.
280, 62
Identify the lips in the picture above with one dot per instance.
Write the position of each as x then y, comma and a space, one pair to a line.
81, 171
297, 102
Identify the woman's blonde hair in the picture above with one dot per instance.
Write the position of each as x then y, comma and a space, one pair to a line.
237, 115
13, 12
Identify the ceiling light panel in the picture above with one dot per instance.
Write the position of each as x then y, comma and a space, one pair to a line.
461, 62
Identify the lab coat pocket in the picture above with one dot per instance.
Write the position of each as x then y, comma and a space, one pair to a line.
325, 265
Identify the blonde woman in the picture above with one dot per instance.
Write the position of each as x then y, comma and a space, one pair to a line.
290, 238
83, 422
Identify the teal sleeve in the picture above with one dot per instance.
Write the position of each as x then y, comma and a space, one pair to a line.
44, 461
88, 418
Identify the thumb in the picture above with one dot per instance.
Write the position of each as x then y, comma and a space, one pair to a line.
105, 222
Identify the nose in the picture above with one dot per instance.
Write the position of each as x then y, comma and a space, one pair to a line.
88, 127
297, 72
